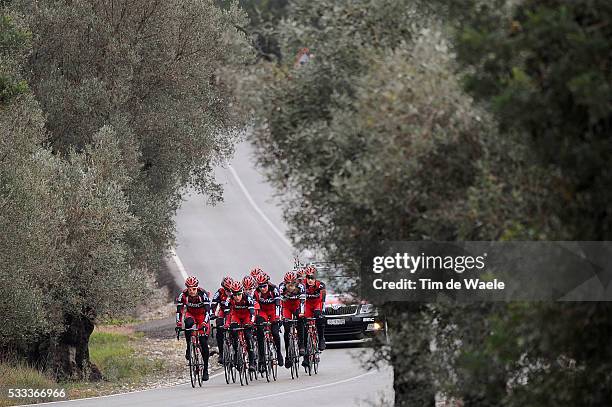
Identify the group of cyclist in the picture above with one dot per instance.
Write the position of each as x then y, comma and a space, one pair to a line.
250, 302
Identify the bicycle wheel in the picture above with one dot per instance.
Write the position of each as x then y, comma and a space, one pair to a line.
291, 355
308, 356
234, 364
199, 364
227, 361
240, 366
295, 367
267, 358
192, 364
245, 366
271, 360
256, 354
314, 362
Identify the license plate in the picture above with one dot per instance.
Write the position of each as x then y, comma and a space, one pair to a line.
336, 322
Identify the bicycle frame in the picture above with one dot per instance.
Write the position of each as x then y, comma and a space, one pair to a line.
269, 356
293, 347
312, 346
195, 362
242, 355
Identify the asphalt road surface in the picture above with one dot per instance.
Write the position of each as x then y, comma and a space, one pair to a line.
244, 231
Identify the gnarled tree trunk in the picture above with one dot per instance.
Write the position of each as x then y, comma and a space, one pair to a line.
67, 356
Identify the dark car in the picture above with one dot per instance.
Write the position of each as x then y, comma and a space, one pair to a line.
347, 319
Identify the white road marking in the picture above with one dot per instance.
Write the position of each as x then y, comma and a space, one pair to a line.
118, 394
257, 209
179, 263
292, 391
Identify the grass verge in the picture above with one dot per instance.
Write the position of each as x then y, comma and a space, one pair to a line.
116, 358
113, 353
20, 376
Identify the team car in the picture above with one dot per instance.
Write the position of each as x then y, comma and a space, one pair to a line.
347, 319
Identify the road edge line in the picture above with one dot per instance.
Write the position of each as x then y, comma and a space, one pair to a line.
113, 395
178, 262
249, 198
229, 403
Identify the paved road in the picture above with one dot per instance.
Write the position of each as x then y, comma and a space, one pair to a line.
232, 237
244, 231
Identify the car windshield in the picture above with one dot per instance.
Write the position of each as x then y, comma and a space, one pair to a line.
336, 278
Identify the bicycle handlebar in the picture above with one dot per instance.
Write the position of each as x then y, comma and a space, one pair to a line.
240, 328
179, 330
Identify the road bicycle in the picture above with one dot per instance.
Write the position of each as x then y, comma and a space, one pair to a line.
228, 358
242, 357
254, 375
293, 352
269, 358
312, 347
196, 361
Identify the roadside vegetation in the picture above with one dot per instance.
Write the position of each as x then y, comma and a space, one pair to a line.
117, 359
464, 120
412, 120
125, 359
102, 127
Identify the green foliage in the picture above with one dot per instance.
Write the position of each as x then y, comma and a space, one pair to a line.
377, 139
14, 42
544, 69
374, 139
127, 108
160, 75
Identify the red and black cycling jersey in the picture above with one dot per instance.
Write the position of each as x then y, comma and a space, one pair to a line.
198, 304
272, 296
246, 303
315, 291
298, 293
219, 298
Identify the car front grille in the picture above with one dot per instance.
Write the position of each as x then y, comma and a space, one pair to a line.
342, 310
344, 330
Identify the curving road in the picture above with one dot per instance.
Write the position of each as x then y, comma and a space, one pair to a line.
247, 230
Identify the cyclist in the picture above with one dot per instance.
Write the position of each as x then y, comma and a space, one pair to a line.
301, 274
239, 310
268, 298
293, 296
195, 303
249, 284
315, 298
217, 312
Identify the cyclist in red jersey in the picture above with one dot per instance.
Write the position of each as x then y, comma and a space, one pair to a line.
240, 310
217, 312
268, 298
293, 296
315, 298
195, 303
249, 284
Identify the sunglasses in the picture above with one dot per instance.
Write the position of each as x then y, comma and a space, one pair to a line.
310, 277
263, 286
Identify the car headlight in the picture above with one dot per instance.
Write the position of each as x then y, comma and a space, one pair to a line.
366, 309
